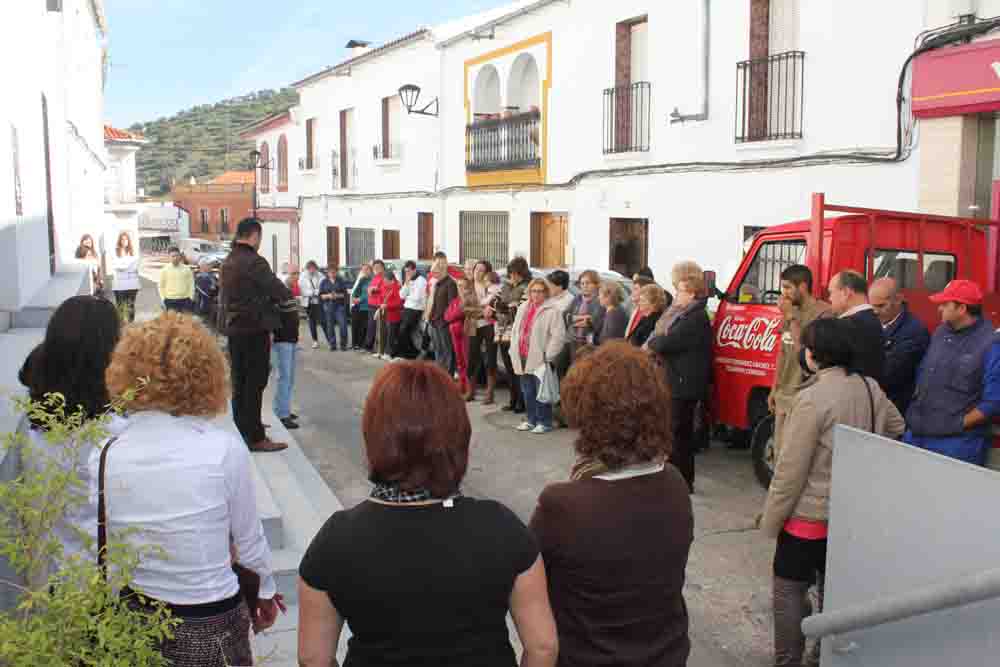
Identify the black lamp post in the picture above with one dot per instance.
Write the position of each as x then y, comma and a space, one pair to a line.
410, 94
255, 164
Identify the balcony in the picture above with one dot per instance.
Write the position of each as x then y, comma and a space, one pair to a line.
499, 144
387, 153
769, 97
627, 117
309, 164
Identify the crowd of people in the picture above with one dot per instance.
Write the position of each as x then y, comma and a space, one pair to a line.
599, 569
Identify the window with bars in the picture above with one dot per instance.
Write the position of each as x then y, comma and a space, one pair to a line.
484, 235
224, 220
762, 282
360, 245
203, 213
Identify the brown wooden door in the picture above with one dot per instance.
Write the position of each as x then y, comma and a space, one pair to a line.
332, 248
549, 236
629, 246
425, 235
390, 244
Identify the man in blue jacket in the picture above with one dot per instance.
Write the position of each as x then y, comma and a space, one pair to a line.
958, 384
905, 339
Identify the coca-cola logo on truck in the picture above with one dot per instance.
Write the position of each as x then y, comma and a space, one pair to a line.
759, 334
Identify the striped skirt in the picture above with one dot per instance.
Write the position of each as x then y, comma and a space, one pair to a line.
220, 640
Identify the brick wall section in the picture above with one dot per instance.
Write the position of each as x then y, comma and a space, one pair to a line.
757, 104
237, 198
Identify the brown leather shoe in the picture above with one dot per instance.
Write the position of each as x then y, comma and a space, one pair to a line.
267, 446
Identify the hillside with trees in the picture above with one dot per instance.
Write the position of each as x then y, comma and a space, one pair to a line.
202, 142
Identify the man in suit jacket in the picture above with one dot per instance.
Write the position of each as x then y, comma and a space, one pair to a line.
849, 300
906, 341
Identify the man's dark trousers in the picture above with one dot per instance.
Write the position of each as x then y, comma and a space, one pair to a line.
179, 305
249, 358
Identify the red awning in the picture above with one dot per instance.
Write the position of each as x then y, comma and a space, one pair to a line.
957, 80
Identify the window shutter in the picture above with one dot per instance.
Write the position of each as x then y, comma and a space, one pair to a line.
310, 129
343, 148
385, 128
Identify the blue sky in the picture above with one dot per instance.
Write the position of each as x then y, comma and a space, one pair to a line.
169, 55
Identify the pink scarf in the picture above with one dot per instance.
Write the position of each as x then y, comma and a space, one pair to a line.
529, 319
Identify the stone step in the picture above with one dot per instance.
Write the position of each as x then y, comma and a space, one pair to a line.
267, 508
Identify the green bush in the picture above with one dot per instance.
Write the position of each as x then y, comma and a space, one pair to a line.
67, 615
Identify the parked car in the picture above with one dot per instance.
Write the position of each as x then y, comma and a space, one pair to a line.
194, 250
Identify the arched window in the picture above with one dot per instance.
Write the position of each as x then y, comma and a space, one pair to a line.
487, 93
265, 173
523, 88
282, 164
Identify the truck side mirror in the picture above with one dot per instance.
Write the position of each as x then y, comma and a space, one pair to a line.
710, 287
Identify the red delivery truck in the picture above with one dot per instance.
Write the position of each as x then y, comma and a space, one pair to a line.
922, 252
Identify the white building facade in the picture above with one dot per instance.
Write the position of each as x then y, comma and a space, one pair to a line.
121, 209
51, 140
607, 135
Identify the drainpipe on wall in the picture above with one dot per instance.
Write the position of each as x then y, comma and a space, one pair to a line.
676, 116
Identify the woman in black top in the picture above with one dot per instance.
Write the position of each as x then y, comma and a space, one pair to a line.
423, 575
683, 340
615, 317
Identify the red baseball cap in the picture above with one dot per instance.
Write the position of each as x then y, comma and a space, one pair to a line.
959, 291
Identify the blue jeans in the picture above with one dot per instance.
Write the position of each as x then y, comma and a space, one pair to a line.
283, 359
335, 315
539, 414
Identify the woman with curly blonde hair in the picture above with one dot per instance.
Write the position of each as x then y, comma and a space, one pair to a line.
183, 485
622, 527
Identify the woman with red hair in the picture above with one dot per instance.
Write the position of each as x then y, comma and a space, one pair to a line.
421, 573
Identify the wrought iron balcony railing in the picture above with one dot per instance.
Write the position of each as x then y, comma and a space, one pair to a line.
627, 114
504, 143
382, 151
769, 97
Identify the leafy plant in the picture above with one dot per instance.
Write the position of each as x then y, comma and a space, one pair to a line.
68, 613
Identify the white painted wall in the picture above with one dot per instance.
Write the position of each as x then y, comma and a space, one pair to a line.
65, 55
295, 133
275, 244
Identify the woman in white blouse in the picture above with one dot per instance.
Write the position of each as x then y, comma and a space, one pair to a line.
183, 485
126, 271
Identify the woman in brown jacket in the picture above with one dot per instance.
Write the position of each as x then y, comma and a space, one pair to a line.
797, 505
616, 537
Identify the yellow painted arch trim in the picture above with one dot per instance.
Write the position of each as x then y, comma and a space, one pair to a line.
520, 176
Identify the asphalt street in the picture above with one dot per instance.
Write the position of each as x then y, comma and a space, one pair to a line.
728, 576
729, 570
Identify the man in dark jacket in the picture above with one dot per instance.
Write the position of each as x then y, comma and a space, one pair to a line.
958, 384
906, 341
683, 340
445, 290
849, 300
250, 297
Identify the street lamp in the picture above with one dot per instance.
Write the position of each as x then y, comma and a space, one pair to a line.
255, 164
409, 94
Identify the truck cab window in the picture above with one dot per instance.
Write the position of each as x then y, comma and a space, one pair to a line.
903, 265
762, 282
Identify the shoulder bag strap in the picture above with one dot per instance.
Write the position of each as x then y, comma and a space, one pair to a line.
871, 401
102, 513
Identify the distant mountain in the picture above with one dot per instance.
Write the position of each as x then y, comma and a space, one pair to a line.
203, 141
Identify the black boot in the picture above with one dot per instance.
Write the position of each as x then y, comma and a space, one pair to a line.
789, 605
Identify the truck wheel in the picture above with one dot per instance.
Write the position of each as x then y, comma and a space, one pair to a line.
762, 450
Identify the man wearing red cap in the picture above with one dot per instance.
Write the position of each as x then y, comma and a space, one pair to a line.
958, 385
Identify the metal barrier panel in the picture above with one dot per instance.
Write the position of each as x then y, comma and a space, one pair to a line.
903, 519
